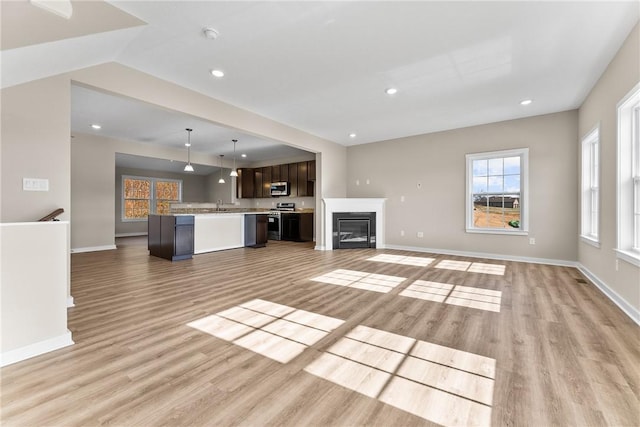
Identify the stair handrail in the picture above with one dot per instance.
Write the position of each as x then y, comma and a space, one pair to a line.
52, 216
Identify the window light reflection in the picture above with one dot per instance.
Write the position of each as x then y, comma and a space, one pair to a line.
430, 291
273, 330
475, 267
465, 296
440, 384
401, 259
361, 280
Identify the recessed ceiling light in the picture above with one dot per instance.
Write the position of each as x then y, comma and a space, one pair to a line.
243, 155
391, 91
217, 73
352, 135
96, 126
526, 102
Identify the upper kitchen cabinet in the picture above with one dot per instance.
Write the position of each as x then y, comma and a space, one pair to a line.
302, 179
256, 182
311, 170
245, 183
284, 173
293, 179
266, 181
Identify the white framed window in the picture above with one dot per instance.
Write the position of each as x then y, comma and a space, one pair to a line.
497, 192
628, 182
590, 182
142, 196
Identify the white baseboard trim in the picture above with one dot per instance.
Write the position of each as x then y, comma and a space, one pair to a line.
70, 302
132, 234
319, 248
628, 309
501, 257
93, 249
36, 349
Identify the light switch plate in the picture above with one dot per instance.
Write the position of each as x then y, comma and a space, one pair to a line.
35, 184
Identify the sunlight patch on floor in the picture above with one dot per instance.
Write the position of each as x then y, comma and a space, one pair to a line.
472, 267
361, 280
440, 384
430, 291
465, 296
276, 331
403, 260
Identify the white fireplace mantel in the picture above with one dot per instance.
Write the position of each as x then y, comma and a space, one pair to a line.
353, 205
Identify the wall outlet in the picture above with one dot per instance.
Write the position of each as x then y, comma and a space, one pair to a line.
402, 198
357, 182
401, 233
532, 240
302, 203
368, 181
419, 185
617, 264
420, 234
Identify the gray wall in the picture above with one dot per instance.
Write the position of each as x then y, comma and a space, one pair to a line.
193, 190
622, 74
437, 161
35, 144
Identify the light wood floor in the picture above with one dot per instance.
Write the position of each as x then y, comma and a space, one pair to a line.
246, 337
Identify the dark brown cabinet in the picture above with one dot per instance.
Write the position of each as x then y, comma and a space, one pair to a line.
284, 173
311, 170
257, 176
302, 179
245, 183
171, 237
255, 230
297, 226
293, 179
266, 181
256, 182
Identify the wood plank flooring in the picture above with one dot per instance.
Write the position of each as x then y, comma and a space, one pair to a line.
285, 335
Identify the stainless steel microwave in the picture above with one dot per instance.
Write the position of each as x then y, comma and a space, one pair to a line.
279, 189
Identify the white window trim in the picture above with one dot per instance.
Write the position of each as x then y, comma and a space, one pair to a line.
590, 148
151, 200
524, 192
626, 109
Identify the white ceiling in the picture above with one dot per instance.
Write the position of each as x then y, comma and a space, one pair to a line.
127, 119
322, 67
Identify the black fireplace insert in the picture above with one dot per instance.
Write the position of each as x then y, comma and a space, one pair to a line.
354, 230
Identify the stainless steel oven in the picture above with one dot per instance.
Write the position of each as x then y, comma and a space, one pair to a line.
274, 226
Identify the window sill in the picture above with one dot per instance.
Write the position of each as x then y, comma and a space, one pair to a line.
497, 231
628, 256
590, 241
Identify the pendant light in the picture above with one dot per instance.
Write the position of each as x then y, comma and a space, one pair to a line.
221, 180
188, 167
234, 172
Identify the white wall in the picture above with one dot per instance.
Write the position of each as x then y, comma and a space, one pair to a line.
437, 161
33, 288
622, 74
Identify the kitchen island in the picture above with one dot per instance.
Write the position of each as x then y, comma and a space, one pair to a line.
214, 231
221, 230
